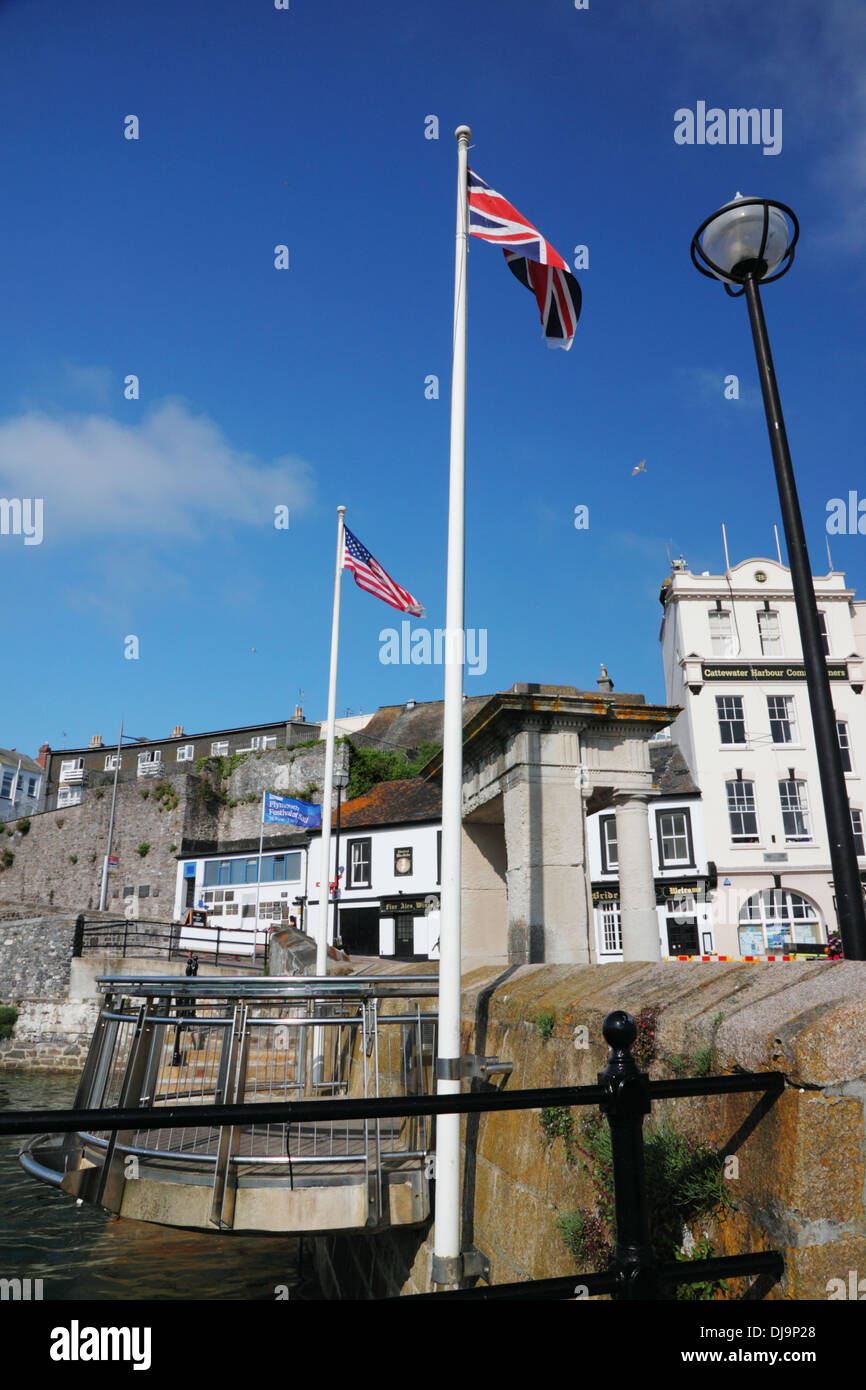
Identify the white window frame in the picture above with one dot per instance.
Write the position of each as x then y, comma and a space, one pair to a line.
220, 748
746, 806
722, 702
771, 642
722, 641
608, 929
149, 757
789, 718
112, 760
185, 753
795, 803
771, 905
262, 742
69, 796
845, 747
672, 861
70, 765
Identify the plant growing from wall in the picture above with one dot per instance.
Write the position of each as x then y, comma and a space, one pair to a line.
7, 858
23, 825
145, 794
557, 1122
8, 1019
684, 1182
644, 1048
59, 822
73, 858
143, 848
165, 796
172, 848
544, 1025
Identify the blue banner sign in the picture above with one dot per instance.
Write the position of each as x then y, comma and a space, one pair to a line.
285, 810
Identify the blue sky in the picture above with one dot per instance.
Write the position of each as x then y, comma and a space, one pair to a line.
305, 387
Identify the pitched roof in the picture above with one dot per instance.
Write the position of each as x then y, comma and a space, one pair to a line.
392, 803
9, 758
671, 776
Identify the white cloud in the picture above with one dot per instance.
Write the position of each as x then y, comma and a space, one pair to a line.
172, 475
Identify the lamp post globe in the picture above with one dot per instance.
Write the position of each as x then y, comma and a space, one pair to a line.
747, 243
747, 238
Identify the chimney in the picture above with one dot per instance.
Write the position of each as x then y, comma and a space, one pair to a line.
96, 741
43, 753
604, 681
177, 732
299, 713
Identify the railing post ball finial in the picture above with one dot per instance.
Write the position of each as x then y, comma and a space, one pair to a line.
620, 1031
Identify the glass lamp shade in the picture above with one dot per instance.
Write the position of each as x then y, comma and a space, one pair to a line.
732, 240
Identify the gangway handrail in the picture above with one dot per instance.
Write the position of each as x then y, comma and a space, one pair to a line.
293, 986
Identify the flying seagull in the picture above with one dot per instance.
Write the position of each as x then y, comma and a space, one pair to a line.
639, 468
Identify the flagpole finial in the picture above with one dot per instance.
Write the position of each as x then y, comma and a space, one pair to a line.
341, 510
463, 132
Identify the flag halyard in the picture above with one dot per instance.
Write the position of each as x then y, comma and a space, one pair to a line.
530, 257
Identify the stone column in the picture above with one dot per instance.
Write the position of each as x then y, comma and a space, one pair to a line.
637, 899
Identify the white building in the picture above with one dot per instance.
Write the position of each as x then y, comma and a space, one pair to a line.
683, 877
21, 785
241, 899
390, 852
733, 660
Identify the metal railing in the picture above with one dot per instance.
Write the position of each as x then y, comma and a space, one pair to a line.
172, 1050
141, 939
624, 1095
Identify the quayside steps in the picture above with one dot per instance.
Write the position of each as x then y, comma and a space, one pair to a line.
181, 1043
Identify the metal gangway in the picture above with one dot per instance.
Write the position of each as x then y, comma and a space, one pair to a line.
181, 1043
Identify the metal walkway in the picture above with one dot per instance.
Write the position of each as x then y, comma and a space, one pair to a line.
177, 1043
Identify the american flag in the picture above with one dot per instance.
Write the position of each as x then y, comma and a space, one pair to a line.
369, 575
536, 264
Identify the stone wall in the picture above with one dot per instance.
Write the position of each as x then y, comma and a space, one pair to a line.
58, 861
800, 1184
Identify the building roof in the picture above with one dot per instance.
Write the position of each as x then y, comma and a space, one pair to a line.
271, 844
671, 776
411, 724
10, 758
392, 803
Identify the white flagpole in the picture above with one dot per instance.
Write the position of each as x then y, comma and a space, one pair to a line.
259, 878
324, 933
447, 1229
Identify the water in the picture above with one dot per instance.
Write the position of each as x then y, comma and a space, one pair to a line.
82, 1253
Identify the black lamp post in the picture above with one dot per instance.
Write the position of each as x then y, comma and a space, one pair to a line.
746, 242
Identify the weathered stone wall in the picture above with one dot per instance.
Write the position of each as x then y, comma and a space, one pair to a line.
58, 861
801, 1159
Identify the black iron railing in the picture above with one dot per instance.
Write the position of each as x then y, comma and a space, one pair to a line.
136, 940
624, 1094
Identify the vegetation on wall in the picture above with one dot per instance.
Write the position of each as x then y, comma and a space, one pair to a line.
8, 1019
369, 766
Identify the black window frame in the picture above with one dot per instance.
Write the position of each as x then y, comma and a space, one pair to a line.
606, 866
351, 881
675, 811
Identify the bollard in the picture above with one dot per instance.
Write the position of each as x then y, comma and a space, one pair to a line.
626, 1101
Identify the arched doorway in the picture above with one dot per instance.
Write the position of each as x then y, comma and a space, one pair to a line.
777, 919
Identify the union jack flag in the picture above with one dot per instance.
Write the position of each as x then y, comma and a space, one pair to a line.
536, 264
369, 575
